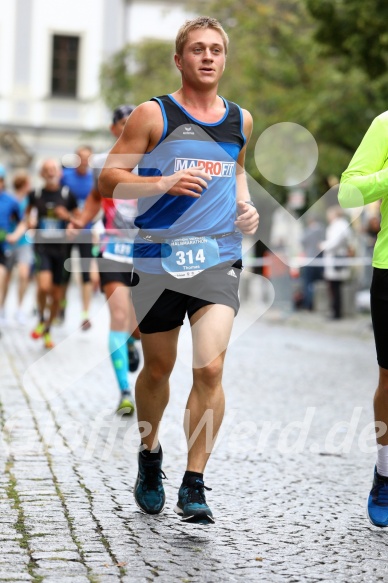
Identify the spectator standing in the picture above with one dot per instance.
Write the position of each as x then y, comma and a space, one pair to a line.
336, 249
311, 240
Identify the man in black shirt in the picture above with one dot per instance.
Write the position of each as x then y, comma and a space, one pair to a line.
53, 206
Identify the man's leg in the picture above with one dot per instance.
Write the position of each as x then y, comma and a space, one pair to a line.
44, 282
44, 285
3, 290
380, 405
152, 385
24, 270
5, 280
117, 295
133, 353
211, 329
86, 292
65, 280
378, 497
152, 394
85, 252
55, 295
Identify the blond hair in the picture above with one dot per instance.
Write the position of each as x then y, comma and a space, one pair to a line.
195, 24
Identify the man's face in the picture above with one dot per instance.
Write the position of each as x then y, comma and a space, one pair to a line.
117, 128
51, 173
203, 60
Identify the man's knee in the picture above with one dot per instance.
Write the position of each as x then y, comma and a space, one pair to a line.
158, 371
45, 287
119, 312
210, 375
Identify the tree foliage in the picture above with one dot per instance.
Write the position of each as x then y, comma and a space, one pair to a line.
318, 63
138, 72
356, 30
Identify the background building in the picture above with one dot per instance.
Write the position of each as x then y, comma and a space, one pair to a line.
50, 57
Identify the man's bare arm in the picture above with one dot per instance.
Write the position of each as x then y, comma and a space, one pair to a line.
248, 217
141, 134
90, 210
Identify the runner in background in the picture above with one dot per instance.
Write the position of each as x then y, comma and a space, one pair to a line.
54, 205
80, 182
115, 265
365, 181
11, 229
22, 253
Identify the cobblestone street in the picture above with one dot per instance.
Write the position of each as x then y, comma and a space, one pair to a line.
289, 476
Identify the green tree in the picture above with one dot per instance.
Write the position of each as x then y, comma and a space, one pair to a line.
137, 72
356, 30
278, 70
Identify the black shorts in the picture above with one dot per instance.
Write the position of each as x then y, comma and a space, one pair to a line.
114, 271
54, 262
161, 301
379, 313
85, 254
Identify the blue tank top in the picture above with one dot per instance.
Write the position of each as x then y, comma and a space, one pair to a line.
185, 143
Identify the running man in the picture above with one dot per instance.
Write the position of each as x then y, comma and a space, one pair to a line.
21, 252
366, 181
194, 206
54, 205
115, 265
80, 181
11, 230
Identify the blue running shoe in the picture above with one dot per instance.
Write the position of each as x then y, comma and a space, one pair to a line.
378, 501
192, 505
149, 492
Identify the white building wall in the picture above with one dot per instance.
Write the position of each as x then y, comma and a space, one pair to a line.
7, 26
155, 19
54, 126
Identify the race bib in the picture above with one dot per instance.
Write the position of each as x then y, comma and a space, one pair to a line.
187, 256
51, 228
119, 250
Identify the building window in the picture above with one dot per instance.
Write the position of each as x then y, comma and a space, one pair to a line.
64, 66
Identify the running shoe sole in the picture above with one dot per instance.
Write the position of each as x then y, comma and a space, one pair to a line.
126, 411
198, 518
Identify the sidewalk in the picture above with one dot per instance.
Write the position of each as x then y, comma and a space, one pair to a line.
359, 325
288, 500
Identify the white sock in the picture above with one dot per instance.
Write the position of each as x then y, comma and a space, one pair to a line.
382, 461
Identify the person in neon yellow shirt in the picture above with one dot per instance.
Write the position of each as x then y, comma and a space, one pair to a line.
365, 181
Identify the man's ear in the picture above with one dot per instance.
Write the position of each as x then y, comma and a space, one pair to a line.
178, 61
